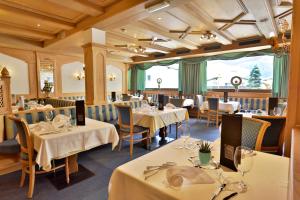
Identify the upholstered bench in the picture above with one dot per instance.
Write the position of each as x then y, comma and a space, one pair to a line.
56, 103
73, 98
106, 113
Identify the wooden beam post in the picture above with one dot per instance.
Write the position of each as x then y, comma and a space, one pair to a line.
95, 67
293, 113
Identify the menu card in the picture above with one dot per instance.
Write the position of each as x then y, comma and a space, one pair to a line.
161, 102
113, 96
273, 102
80, 113
231, 137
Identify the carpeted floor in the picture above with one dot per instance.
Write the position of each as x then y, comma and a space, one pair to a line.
101, 161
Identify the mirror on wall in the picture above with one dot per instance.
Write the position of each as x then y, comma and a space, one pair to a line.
47, 75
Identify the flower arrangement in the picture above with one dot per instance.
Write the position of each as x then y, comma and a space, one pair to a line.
205, 147
47, 87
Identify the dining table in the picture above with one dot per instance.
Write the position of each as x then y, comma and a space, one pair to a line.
188, 103
155, 119
51, 145
267, 179
228, 107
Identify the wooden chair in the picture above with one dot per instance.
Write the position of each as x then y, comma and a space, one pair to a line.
128, 130
213, 113
272, 103
126, 97
28, 156
199, 104
177, 102
273, 138
253, 131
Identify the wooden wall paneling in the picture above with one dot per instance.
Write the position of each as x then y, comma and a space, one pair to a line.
293, 112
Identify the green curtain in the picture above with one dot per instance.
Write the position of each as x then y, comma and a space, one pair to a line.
129, 79
280, 76
192, 77
137, 79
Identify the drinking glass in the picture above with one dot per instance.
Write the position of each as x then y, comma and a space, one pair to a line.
49, 116
277, 111
243, 162
185, 133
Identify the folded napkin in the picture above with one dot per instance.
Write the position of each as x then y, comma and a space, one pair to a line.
42, 127
169, 105
60, 121
179, 175
48, 106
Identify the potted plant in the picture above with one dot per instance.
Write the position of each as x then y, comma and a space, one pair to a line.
204, 153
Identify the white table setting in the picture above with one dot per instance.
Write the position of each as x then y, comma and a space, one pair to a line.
59, 139
229, 107
178, 178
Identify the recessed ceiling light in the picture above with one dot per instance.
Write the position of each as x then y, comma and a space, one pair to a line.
159, 18
38, 25
134, 35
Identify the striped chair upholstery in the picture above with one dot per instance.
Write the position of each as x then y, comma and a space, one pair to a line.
33, 116
73, 98
56, 103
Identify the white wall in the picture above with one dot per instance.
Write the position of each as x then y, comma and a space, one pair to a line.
69, 83
116, 85
18, 70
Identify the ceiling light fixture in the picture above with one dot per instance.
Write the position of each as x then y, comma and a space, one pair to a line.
158, 6
38, 25
207, 36
284, 47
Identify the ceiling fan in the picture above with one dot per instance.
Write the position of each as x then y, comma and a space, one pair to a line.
153, 40
134, 48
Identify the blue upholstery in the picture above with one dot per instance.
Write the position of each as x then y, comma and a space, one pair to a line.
213, 104
9, 147
73, 98
124, 112
177, 102
250, 131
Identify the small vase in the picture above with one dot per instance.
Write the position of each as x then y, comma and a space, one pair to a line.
204, 158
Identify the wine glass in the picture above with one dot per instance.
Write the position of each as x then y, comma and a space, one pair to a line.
277, 111
49, 115
185, 133
243, 162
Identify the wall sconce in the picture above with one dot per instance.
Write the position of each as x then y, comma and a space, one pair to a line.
112, 77
80, 75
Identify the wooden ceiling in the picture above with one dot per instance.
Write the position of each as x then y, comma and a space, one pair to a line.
57, 24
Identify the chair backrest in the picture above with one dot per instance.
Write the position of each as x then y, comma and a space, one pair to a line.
213, 104
24, 136
177, 102
199, 101
274, 134
126, 97
125, 118
253, 131
273, 102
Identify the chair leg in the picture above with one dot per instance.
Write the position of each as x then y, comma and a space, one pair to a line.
148, 141
217, 121
23, 176
208, 121
176, 130
67, 170
31, 180
120, 142
131, 146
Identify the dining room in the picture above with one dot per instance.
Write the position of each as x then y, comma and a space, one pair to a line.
149, 99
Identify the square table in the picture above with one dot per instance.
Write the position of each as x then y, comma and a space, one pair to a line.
78, 139
268, 178
156, 119
228, 107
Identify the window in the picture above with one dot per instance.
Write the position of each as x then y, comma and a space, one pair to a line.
256, 72
168, 74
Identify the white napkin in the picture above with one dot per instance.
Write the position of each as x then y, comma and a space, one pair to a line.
169, 105
179, 175
42, 127
60, 120
48, 106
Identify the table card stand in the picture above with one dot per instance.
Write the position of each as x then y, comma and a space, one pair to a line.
273, 102
113, 96
231, 137
161, 102
80, 113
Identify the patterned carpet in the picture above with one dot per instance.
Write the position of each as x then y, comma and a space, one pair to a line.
101, 161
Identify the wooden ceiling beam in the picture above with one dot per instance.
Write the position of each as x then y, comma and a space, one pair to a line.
22, 32
235, 46
128, 39
117, 10
34, 16
263, 14
81, 6
157, 30
234, 20
223, 36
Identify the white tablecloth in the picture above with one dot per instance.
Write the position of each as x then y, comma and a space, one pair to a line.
80, 138
155, 120
188, 102
229, 106
267, 179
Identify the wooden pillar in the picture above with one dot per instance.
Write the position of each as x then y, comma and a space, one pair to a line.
95, 66
5, 92
293, 113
